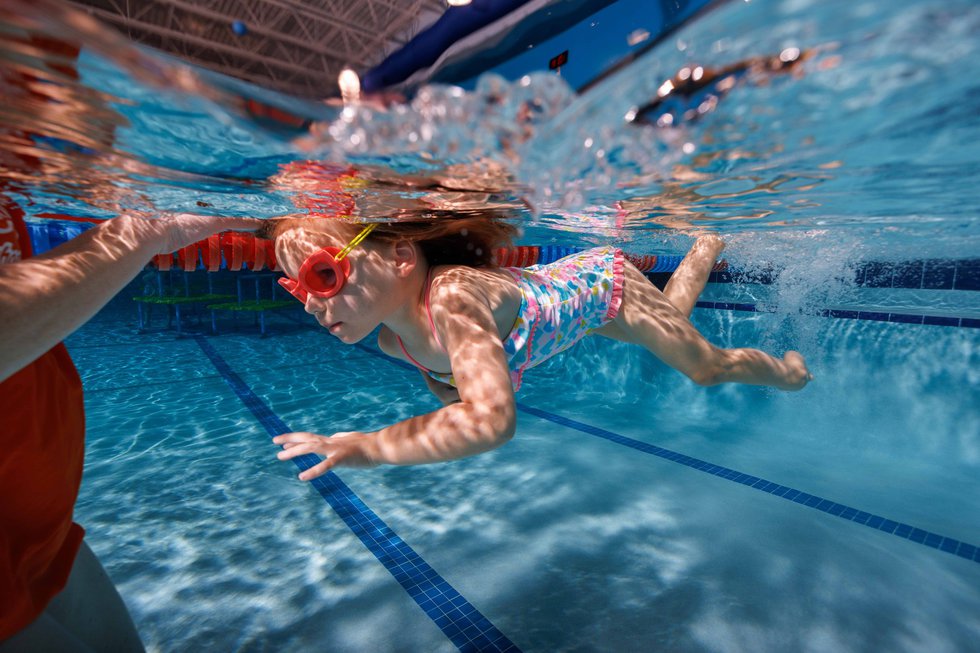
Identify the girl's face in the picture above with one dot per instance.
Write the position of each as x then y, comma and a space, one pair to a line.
371, 291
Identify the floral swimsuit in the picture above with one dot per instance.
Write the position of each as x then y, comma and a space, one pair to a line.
561, 303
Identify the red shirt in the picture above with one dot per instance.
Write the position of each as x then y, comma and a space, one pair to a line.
42, 445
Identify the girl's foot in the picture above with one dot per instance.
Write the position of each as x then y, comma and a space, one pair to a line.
711, 243
796, 374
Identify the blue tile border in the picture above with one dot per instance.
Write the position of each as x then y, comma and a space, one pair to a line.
905, 531
938, 275
967, 275
852, 314
923, 274
462, 623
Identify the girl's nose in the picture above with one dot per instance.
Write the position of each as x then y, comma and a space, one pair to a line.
311, 306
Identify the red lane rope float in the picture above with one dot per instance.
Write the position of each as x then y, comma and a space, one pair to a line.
211, 253
643, 263
232, 247
270, 255
163, 262
517, 257
187, 257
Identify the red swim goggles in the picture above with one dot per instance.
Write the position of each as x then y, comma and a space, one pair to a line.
324, 273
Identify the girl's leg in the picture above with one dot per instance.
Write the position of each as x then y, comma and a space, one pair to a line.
648, 318
688, 280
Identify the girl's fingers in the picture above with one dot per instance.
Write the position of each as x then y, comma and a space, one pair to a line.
317, 470
296, 436
300, 443
295, 450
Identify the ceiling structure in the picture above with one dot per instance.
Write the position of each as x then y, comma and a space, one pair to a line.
296, 47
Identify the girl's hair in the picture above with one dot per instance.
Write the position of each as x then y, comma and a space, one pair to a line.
445, 239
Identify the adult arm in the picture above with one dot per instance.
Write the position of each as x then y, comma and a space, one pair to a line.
45, 298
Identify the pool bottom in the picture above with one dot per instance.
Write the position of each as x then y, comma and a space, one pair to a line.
564, 541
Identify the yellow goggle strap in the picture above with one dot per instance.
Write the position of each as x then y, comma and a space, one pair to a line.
355, 242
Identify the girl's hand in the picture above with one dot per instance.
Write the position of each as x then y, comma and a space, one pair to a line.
348, 449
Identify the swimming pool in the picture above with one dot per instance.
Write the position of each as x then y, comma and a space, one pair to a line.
633, 511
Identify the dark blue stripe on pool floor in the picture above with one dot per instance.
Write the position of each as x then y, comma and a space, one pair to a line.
905, 531
462, 623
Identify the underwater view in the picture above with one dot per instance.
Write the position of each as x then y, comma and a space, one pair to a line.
832, 146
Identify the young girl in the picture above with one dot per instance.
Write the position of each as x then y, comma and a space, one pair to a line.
472, 328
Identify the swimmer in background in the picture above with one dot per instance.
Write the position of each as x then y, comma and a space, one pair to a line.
472, 328
695, 90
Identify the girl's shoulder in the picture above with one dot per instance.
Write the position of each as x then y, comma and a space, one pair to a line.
460, 289
448, 279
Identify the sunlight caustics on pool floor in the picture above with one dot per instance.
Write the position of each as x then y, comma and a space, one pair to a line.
461, 622
456, 617
158, 365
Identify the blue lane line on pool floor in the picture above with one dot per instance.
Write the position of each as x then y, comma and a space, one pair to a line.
853, 314
904, 531
462, 623
899, 529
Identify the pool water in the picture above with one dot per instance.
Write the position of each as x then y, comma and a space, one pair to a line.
620, 517
563, 540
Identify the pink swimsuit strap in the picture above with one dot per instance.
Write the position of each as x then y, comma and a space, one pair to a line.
432, 326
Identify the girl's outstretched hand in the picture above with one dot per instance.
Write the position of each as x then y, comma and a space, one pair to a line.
348, 449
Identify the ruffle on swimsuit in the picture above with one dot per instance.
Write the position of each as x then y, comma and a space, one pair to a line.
561, 303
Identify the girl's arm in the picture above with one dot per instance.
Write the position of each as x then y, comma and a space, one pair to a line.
484, 417
45, 298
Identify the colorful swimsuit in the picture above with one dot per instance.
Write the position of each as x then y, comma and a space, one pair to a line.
561, 303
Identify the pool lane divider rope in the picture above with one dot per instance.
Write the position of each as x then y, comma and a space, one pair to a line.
237, 251
456, 617
877, 522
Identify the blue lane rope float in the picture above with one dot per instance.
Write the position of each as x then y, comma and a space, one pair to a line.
49, 234
456, 617
551, 253
667, 263
905, 531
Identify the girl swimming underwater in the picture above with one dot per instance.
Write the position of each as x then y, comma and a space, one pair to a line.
473, 328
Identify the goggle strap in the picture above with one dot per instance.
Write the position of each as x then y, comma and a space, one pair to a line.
342, 254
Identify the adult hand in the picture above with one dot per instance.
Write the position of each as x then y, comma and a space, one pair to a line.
347, 449
178, 230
